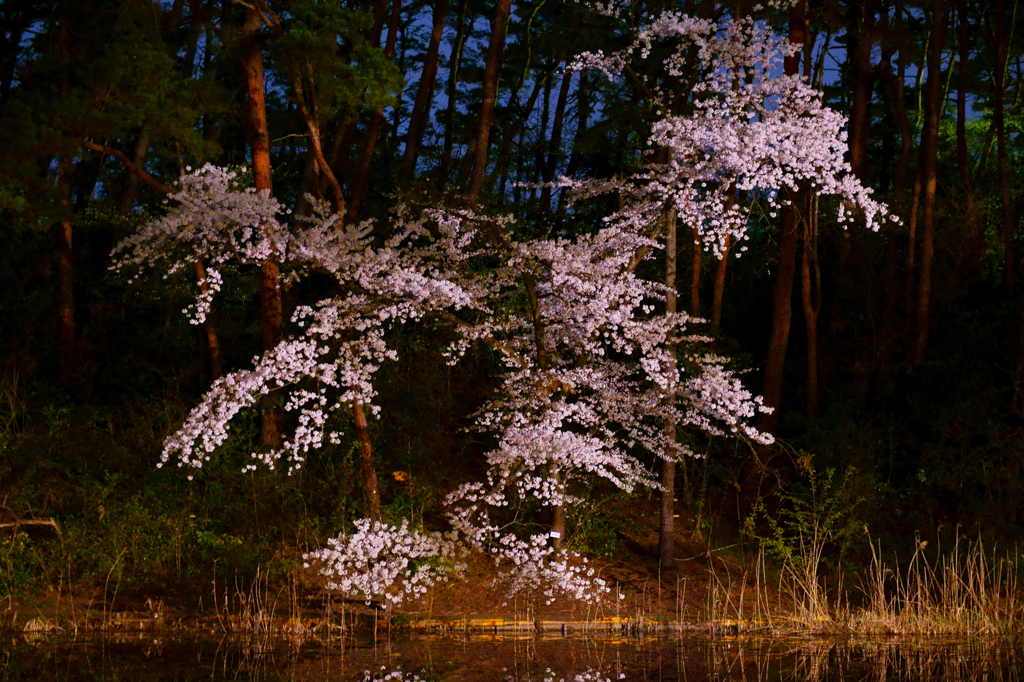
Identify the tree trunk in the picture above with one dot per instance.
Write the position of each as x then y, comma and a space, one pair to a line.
454, 63
366, 455
130, 185
972, 262
67, 355
424, 94
554, 145
719, 291
582, 121
929, 180
698, 255
782, 297
259, 141
1002, 47
373, 132
492, 69
666, 529
510, 134
862, 39
216, 362
810, 298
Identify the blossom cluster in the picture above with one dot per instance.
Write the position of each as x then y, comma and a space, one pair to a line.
214, 218
753, 131
385, 675
385, 562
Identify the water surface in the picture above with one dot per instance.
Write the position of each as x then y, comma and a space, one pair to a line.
533, 659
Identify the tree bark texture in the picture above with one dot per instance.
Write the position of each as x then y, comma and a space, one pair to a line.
971, 262
373, 132
1002, 48
810, 296
666, 529
259, 142
719, 291
929, 180
554, 144
366, 457
454, 64
424, 93
67, 362
698, 256
492, 69
782, 295
209, 330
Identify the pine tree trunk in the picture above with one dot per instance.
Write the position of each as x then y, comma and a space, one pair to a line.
510, 134
130, 185
1002, 47
424, 93
67, 352
582, 122
807, 264
259, 141
863, 40
972, 262
554, 145
782, 297
492, 69
454, 64
373, 132
929, 180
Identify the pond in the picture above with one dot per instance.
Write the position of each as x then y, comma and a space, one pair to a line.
499, 659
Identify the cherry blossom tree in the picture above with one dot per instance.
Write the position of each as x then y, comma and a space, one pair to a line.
754, 135
592, 370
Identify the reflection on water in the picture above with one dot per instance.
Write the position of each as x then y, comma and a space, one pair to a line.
425, 659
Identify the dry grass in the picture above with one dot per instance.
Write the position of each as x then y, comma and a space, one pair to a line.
966, 591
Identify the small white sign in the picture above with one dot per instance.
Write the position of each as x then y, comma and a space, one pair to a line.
554, 534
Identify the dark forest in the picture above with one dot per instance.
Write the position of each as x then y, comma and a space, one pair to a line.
893, 358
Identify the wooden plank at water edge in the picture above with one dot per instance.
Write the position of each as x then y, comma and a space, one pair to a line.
471, 624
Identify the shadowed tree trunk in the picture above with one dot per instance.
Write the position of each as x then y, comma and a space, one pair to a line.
720, 271
259, 142
810, 296
929, 179
373, 132
666, 529
1002, 47
424, 93
894, 90
554, 145
130, 185
492, 69
209, 330
510, 134
454, 64
67, 358
782, 296
698, 255
582, 120
719, 290
972, 262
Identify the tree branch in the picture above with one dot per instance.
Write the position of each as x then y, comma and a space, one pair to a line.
129, 164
